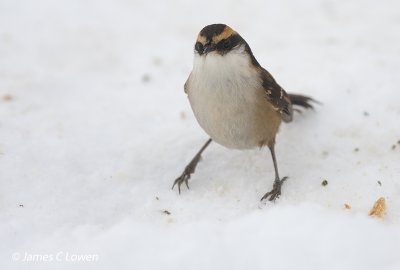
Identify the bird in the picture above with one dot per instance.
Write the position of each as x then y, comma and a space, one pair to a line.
235, 100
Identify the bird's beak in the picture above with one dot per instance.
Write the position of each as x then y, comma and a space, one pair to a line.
208, 48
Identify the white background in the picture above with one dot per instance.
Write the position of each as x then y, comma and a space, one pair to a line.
95, 126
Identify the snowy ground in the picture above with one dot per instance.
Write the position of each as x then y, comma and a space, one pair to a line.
94, 128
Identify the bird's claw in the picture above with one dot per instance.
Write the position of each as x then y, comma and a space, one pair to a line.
276, 190
185, 176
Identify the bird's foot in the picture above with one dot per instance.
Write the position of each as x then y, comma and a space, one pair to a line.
276, 190
187, 172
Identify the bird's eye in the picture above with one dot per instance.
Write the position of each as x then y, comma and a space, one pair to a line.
227, 44
199, 47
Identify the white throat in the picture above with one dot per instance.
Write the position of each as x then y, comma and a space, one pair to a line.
229, 68
225, 92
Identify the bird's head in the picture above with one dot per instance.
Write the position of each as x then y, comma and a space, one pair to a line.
217, 38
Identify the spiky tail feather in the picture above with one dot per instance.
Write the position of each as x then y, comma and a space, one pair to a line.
303, 101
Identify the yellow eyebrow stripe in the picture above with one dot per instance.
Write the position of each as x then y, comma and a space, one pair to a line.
224, 35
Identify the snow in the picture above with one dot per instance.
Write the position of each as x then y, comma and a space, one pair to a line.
95, 126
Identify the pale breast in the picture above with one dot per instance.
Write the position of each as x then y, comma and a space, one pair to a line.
229, 103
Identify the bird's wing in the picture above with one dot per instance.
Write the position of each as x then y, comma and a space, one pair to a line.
278, 98
186, 86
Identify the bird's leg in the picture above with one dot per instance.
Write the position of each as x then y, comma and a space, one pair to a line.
276, 189
190, 168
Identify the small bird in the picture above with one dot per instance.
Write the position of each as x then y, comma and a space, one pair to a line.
234, 99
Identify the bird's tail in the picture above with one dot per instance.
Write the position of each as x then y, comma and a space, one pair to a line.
303, 101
